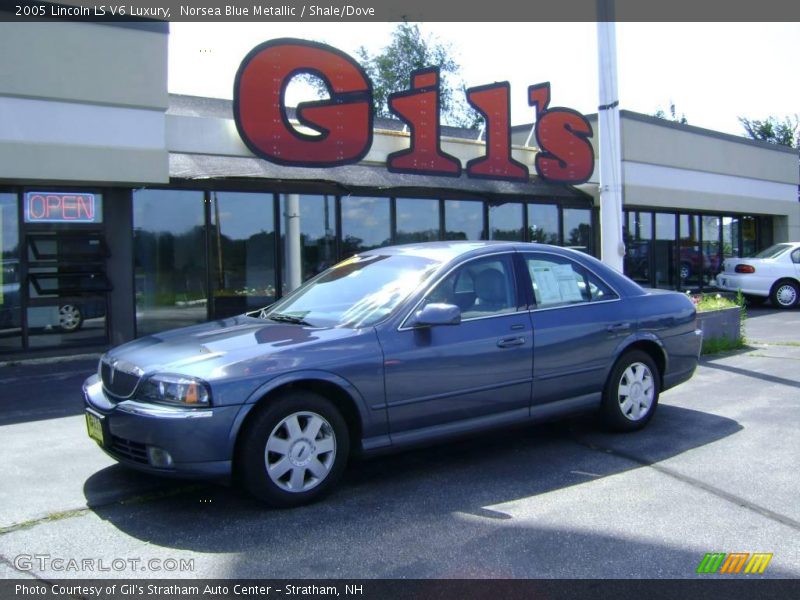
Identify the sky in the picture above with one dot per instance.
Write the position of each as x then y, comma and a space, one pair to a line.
712, 72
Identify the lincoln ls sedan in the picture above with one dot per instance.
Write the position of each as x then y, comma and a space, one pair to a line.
389, 349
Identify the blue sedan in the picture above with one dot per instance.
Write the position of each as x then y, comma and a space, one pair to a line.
389, 349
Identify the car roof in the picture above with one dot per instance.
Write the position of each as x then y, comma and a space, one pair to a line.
449, 250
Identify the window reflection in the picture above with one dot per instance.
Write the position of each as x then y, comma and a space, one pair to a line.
169, 259
505, 222
365, 224
690, 259
242, 252
463, 220
578, 229
543, 223
417, 220
10, 317
638, 234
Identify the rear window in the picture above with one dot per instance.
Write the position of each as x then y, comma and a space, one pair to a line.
773, 251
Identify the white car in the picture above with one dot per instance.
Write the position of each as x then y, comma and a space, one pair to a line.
773, 273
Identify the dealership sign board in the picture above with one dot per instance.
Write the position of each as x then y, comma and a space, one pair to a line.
344, 121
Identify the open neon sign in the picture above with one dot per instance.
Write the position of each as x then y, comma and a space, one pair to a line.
61, 207
344, 121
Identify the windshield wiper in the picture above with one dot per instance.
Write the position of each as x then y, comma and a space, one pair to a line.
282, 318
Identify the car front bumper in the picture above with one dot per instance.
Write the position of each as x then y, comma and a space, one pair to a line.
137, 434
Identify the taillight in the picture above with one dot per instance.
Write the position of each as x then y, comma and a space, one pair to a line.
745, 269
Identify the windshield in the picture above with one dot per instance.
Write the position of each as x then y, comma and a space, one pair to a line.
773, 251
355, 293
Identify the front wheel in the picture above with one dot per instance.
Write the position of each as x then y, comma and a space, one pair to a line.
631, 393
784, 294
294, 450
69, 317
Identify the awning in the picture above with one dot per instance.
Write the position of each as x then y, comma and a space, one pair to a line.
363, 179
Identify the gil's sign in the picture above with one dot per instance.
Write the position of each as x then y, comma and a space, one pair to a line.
343, 121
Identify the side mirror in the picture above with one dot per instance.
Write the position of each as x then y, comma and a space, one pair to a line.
437, 314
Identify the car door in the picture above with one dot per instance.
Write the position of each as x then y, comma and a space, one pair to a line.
578, 322
478, 369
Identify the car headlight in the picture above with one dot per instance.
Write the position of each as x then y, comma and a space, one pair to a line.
177, 390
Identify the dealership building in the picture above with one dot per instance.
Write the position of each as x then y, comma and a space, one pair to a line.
125, 210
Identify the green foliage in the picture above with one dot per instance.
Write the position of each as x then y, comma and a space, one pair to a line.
707, 302
390, 71
782, 132
722, 344
673, 115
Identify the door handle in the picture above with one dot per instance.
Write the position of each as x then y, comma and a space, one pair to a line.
618, 327
510, 342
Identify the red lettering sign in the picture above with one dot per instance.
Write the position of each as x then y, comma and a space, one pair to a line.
494, 103
343, 123
562, 135
54, 207
419, 107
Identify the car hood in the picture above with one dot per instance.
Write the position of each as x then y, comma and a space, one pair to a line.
225, 347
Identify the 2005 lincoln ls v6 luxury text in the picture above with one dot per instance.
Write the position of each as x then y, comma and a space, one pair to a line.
388, 349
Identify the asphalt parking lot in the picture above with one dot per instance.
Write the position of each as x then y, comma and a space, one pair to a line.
716, 471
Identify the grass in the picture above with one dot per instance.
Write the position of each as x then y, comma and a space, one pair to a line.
719, 345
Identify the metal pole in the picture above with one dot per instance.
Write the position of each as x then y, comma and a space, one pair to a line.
612, 244
294, 273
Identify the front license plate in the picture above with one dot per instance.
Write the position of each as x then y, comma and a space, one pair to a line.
94, 426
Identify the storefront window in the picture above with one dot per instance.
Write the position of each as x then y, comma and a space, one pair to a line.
317, 233
365, 224
712, 248
242, 252
691, 263
578, 229
664, 251
10, 325
169, 259
417, 220
638, 235
730, 237
505, 222
543, 223
463, 220
749, 245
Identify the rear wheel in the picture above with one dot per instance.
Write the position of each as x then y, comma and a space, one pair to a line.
631, 393
784, 294
294, 450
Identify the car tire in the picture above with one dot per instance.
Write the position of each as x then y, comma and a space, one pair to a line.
784, 294
631, 393
754, 300
294, 450
70, 317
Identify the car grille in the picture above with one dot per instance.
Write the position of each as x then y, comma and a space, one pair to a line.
118, 382
133, 451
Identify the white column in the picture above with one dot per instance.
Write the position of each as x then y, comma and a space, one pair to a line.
291, 218
612, 244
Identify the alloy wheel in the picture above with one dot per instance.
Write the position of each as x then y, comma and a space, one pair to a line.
636, 391
300, 452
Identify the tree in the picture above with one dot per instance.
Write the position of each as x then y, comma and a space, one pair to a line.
390, 71
673, 115
774, 131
